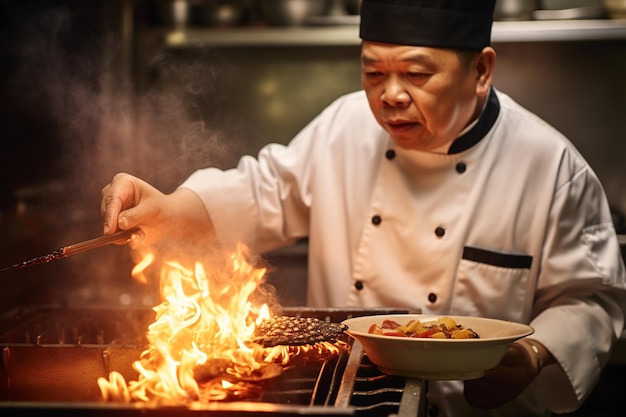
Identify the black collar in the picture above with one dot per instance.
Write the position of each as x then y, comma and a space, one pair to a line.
481, 128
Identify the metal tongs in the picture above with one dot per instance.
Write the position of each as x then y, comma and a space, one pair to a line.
64, 252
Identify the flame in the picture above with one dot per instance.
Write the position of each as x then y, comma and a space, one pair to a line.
204, 317
138, 269
202, 336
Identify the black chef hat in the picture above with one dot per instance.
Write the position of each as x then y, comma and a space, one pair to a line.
457, 24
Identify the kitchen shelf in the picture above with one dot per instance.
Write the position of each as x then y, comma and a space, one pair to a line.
266, 36
559, 30
347, 35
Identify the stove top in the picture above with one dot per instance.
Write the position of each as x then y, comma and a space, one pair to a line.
51, 359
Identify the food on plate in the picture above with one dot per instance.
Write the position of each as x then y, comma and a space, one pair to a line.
441, 328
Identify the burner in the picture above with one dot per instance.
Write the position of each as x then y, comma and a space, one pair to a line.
48, 366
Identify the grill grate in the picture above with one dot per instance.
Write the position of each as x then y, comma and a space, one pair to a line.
373, 394
76, 326
51, 360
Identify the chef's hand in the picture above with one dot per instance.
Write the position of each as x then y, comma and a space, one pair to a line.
519, 367
128, 203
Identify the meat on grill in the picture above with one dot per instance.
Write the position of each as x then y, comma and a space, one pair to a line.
295, 331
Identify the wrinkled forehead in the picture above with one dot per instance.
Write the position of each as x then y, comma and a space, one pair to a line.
373, 53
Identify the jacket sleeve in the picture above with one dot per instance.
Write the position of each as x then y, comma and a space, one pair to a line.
580, 304
264, 201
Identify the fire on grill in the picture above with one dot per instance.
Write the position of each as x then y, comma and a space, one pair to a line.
218, 344
215, 339
53, 356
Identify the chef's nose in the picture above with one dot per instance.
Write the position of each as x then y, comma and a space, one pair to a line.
395, 94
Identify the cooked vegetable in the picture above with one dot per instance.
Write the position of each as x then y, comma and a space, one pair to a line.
442, 328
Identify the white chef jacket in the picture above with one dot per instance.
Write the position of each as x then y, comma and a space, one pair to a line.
511, 223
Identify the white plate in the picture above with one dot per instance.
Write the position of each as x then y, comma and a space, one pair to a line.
437, 359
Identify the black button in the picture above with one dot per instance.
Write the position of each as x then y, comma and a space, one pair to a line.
440, 231
432, 297
461, 167
376, 220
390, 154
358, 285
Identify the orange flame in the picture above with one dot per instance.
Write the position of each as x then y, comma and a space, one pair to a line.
202, 318
201, 343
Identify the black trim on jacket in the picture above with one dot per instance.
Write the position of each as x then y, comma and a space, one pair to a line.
481, 128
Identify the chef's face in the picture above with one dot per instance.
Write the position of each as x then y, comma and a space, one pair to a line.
424, 97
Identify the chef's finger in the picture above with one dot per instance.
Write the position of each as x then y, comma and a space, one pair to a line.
137, 240
110, 207
116, 196
131, 218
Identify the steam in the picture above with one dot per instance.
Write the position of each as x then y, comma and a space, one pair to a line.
99, 121
106, 123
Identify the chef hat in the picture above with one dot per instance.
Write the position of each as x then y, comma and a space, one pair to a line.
457, 24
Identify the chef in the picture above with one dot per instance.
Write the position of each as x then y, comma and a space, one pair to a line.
430, 190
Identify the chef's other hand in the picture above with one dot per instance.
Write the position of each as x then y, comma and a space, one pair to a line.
518, 368
129, 202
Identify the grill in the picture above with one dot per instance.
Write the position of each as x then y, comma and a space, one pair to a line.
52, 357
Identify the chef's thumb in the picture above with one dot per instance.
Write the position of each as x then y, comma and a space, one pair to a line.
129, 219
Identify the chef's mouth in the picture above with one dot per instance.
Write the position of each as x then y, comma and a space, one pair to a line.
401, 126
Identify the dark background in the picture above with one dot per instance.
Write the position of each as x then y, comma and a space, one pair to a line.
73, 114
44, 47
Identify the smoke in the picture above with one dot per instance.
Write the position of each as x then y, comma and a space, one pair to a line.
107, 126
75, 117
103, 123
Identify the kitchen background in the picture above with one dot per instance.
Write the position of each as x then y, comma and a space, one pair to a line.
159, 88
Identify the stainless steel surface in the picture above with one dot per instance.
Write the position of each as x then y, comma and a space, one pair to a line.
291, 12
586, 12
348, 34
566, 4
413, 394
515, 9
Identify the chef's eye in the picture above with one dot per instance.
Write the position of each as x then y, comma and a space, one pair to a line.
373, 74
418, 77
373, 77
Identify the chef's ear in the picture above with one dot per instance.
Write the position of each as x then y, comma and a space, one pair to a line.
484, 66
